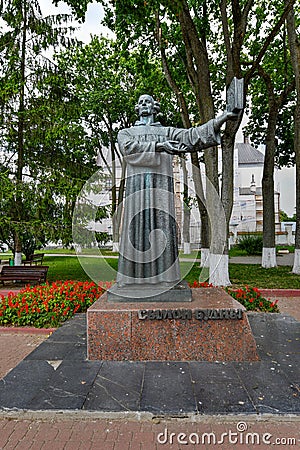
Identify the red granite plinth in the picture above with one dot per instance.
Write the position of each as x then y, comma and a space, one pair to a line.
115, 331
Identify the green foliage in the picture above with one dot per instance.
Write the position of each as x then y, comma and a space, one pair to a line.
253, 300
285, 218
48, 305
79, 7
42, 154
267, 91
107, 80
252, 244
102, 238
27, 223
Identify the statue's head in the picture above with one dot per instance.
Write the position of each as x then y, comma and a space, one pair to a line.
147, 106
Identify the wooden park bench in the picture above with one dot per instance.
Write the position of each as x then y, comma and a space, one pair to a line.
36, 274
34, 259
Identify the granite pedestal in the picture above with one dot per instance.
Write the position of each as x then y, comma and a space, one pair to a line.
213, 327
181, 292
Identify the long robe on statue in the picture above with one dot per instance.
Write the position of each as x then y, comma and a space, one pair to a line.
148, 245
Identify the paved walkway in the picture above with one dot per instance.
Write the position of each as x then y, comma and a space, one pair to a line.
281, 260
15, 347
94, 433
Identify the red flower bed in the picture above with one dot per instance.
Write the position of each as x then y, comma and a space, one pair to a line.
253, 300
197, 284
48, 305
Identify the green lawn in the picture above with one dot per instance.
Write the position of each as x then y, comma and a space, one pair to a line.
99, 269
66, 268
254, 275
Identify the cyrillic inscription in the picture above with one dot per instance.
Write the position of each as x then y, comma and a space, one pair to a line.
188, 314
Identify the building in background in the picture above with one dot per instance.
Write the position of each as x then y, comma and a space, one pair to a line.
247, 213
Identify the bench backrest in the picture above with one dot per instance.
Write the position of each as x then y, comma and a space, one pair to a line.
34, 256
37, 256
9, 270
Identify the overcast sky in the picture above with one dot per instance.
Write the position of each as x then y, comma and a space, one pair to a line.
285, 178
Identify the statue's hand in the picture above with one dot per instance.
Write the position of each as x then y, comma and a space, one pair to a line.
232, 115
173, 147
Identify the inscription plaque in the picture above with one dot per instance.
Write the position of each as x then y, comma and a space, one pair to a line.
188, 314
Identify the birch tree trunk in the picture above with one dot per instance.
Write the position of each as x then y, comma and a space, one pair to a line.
21, 126
269, 249
275, 102
117, 217
201, 201
197, 66
294, 45
196, 172
186, 211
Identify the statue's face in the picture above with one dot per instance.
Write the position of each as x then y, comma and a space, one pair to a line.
146, 105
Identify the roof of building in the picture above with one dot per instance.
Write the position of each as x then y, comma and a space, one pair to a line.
248, 191
248, 154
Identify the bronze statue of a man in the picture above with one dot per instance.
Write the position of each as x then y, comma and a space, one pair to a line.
148, 246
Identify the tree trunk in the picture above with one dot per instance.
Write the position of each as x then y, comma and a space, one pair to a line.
196, 56
196, 173
20, 160
186, 211
204, 261
218, 259
296, 265
228, 141
269, 249
115, 230
205, 228
294, 45
17, 250
275, 103
117, 217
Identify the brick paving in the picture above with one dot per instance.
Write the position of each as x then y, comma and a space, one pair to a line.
122, 434
289, 305
14, 347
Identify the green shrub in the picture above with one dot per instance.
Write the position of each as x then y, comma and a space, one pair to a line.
251, 244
